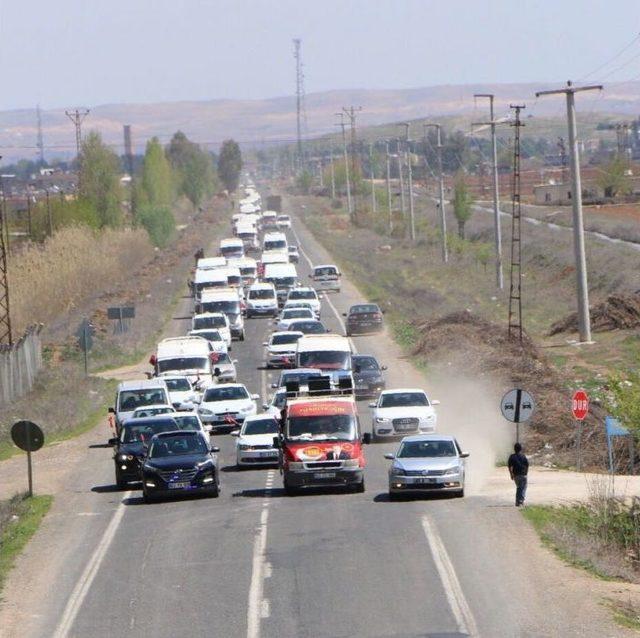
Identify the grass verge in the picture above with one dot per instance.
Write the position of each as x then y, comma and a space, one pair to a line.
20, 517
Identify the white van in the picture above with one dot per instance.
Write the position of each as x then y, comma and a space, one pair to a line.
136, 394
208, 279
283, 276
269, 220
249, 236
262, 300
326, 277
248, 269
330, 353
211, 263
227, 301
275, 241
231, 247
188, 356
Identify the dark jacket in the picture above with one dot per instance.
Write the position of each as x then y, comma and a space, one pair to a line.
518, 464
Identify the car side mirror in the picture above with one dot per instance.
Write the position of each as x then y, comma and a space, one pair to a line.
357, 369
274, 386
310, 276
255, 397
372, 405
327, 330
276, 442
265, 406
111, 411
389, 456
113, 441
215, 449
464, 455
234, 361
383, 368
265, 343
235, 433
366, 438
435, 402
344, 314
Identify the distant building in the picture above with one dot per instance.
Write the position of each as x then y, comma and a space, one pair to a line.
553, 194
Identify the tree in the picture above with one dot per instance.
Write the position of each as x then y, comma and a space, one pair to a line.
157, 178
100, 179
304, 182
462, 203
230, 165
613, 179
193, 167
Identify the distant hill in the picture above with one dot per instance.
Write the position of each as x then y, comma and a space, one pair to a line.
269, 121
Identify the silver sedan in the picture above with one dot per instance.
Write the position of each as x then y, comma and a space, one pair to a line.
427, 463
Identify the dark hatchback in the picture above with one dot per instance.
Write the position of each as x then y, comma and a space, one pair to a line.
363, 318
130, 446
367, 375
179, 463
308, 327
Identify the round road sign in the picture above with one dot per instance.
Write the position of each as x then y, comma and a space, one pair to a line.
517, 406
580, 405
27, 436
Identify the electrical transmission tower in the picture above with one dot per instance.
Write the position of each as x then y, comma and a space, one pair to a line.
40, 142
299, 98
351, 113
515, 287
77, 117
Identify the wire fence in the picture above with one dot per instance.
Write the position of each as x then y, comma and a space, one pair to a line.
20, 364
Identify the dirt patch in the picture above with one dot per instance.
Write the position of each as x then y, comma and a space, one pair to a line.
617, 312
464, 341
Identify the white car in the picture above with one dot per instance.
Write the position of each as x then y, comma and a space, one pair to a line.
217, 343
180, 390
224, 367
308, 295
191, 421
281, 349
283, 221
226, 405
402, 412
293, 314
255, 441
276, 404
218, 320
262, 300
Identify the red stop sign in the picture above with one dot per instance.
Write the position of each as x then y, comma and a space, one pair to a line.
580, 405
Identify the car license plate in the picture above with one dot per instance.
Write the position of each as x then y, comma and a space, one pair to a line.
426, 480
268, 454
181, 485
324, 475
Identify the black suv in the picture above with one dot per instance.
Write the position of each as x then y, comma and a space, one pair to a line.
363, 318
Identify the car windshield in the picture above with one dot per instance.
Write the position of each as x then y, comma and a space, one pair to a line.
302, 294
364, 308
280, 340
210, 335
143, 432
231, 250
182, 363
296, 313
263, 426
325, 359
365, 363
401, 399
308, 327
426, 449
325, 272
220, 357
225, 307
275, 244
178, 445
209, 322
313, 428
279, 400
234, 280
248, 271
178, 385
233, 393
293, 249
187, 422
131, 399
262, 294
282, 282
142, 412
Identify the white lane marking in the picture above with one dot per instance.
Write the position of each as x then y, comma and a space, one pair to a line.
83, 585
259, 607
326, 294
457, 601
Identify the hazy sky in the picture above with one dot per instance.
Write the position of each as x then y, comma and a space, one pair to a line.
88, 52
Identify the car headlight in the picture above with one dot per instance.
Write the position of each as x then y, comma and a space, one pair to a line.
125, 457
351, 463
382, 419
452, 470
205, 464
205, 411
398, 471
430, 417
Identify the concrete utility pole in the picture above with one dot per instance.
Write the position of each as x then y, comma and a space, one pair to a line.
333, 177
40, 141
443, 218
128, 153
6, 337
584, 319
497, 230
373, 187
351, 114
299, 83
346, 164
386, 144
407, 155
400, 180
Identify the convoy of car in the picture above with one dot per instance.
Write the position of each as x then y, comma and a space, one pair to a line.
310, 426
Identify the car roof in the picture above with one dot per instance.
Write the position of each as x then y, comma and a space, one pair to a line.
165, 435
363, 356
325, 266
259, 417
141, 420
168, 377
286, 332
154, 406
301, 371
428, 437
142, 384
399, 390
228, 385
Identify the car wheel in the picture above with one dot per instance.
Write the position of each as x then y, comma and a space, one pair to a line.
459, 493
360, 487
146, 497
290, 490
348, 333
120, 480
393, 496
374, 437
242, 336
215, 493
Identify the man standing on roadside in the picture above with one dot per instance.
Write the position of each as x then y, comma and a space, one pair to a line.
518, 470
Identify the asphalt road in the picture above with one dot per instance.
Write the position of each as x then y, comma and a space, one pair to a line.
257, 563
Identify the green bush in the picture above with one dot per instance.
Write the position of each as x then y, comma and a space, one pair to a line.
158, 221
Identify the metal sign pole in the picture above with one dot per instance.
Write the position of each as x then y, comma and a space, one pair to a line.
29, 469
579, 445
85, 335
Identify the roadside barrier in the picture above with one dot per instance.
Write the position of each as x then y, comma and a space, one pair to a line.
20, 364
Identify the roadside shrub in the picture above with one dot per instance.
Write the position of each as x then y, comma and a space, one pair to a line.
158, 221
